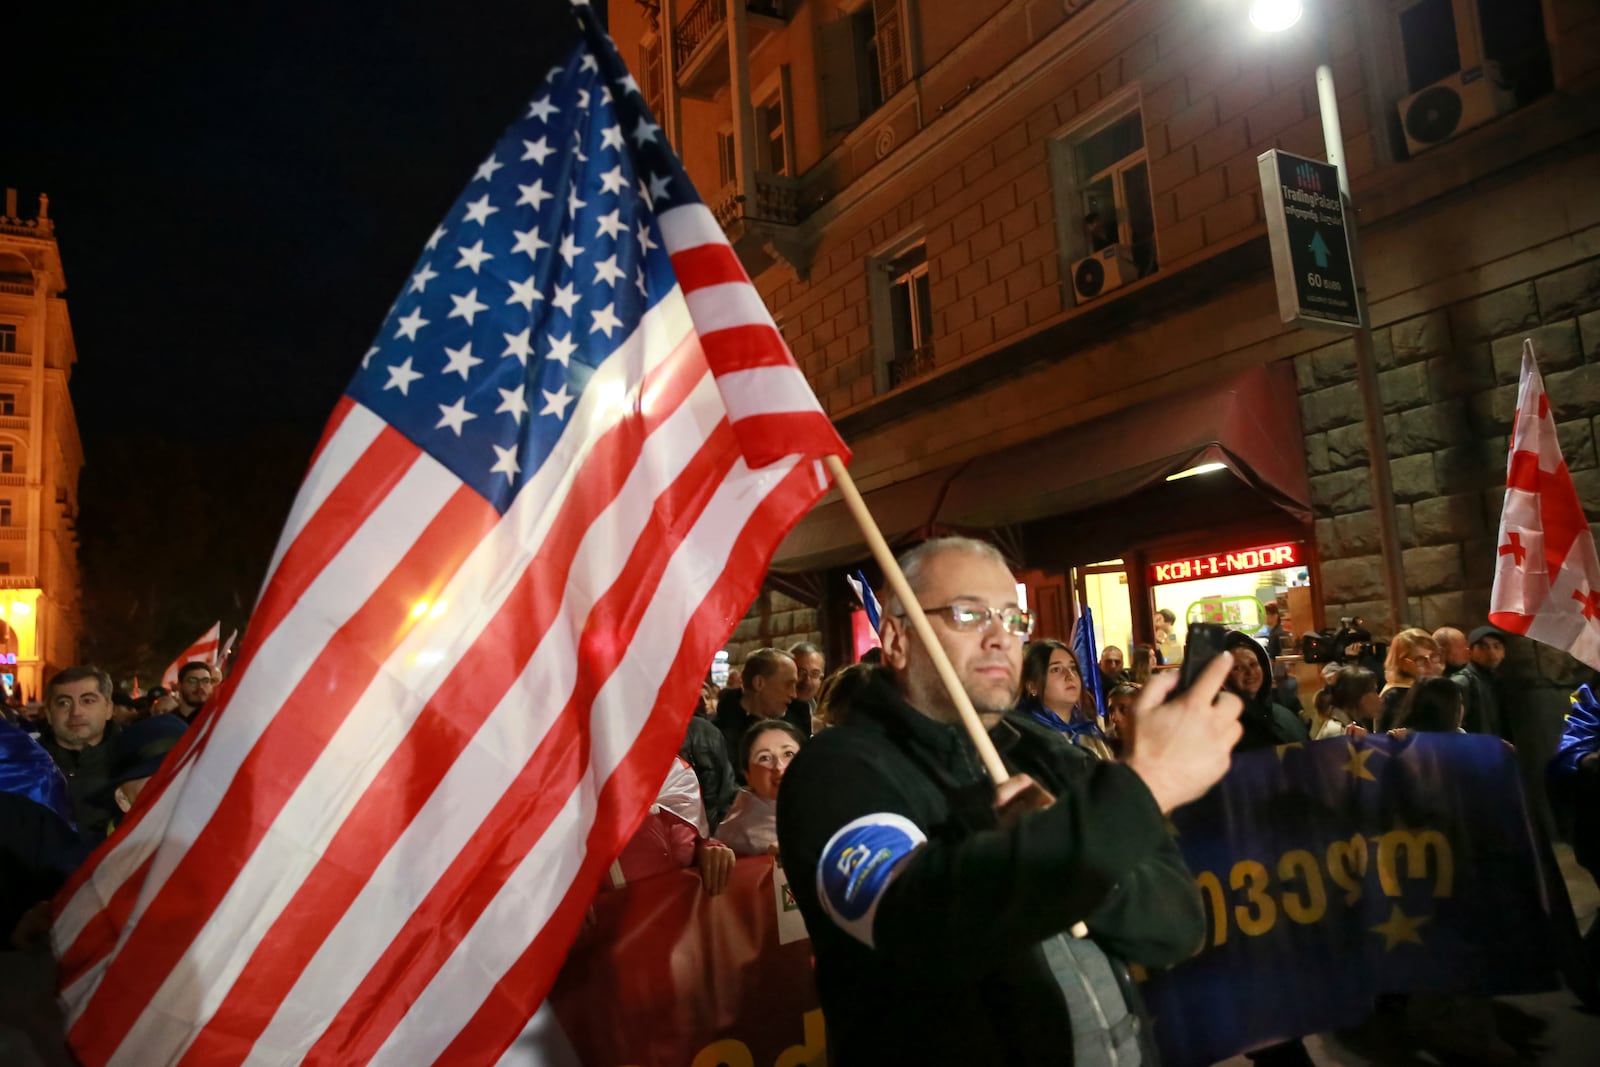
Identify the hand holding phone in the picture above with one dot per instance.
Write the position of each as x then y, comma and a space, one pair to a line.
1204, 643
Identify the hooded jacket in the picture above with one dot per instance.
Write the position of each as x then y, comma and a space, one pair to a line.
1266, 723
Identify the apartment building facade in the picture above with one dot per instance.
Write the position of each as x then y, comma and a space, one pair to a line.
40, 457
1018, 248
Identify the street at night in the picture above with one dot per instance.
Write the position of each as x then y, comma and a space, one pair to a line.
788, 532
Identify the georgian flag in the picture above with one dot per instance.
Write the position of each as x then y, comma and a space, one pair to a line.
1546, 575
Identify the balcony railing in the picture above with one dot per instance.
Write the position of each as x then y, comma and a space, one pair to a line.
706, 17
906, 366
777, 200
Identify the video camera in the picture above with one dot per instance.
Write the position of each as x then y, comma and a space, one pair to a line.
1350, 643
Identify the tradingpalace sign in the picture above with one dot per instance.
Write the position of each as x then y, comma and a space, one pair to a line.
1306, 228
1245, 561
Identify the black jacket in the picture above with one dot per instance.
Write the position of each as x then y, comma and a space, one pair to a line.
1480, 699
1266, 723
704, 751
88, 772
954, 973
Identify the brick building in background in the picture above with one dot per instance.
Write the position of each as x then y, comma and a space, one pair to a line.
915, 186
40, 456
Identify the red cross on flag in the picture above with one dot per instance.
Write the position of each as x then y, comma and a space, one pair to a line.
1546, 574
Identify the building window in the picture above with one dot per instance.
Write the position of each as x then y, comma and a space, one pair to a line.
8, 337
653, 76
773, 138
862, 62
727, 158
5, 513
8, 459
902, 314
8, 403
1441, 38
888, 46
1101, 175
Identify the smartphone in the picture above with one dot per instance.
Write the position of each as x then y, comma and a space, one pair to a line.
1203, 644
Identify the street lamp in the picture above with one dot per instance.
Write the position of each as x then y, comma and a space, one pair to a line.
1271, 16
1275, 16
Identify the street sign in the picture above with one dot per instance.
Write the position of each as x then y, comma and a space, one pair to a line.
1310, 245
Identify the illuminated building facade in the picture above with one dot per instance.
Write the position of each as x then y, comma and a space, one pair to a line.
40, 456
1019, 249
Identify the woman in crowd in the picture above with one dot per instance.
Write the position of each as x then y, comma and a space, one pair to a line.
1433, 705
1053, 695
1349, 699
838, 689
1266, 723
1413, 656
751, 827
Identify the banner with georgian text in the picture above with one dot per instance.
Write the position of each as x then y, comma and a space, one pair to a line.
1339, 870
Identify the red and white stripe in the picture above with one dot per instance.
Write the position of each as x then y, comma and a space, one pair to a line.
447, 722
1547, 574
204, 648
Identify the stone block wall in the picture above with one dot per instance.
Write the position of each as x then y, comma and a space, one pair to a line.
773, 621
1448, 383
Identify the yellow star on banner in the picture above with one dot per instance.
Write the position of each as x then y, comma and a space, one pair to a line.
1356, 767
1281, 749
1400, 927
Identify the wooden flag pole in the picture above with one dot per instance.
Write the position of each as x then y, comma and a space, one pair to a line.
919, 620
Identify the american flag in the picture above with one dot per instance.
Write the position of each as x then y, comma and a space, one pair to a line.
204, 648
549, 494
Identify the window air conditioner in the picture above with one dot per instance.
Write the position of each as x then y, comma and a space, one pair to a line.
1453, 105
1103, 271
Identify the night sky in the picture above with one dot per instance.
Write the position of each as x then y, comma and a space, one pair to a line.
239, 193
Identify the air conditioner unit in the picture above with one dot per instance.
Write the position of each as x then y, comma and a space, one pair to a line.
1453, 105
1105, 270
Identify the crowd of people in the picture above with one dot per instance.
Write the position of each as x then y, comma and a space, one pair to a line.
917, 878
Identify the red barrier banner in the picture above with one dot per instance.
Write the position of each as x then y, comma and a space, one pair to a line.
668, 975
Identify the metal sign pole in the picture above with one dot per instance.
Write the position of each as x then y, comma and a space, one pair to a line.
1382, 484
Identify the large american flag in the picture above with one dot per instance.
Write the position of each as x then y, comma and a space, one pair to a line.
547, 497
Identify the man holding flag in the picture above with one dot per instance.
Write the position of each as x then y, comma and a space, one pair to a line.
545, 499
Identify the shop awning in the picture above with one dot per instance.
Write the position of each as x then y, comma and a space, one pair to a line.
1249, 423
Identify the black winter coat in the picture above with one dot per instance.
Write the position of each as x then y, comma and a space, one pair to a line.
954, 972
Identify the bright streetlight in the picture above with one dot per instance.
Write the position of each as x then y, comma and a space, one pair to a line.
1271, 16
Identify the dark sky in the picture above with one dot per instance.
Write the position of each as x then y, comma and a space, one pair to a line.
239, 192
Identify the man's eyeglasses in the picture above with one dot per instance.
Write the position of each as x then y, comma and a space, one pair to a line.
972, 617
198, 679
